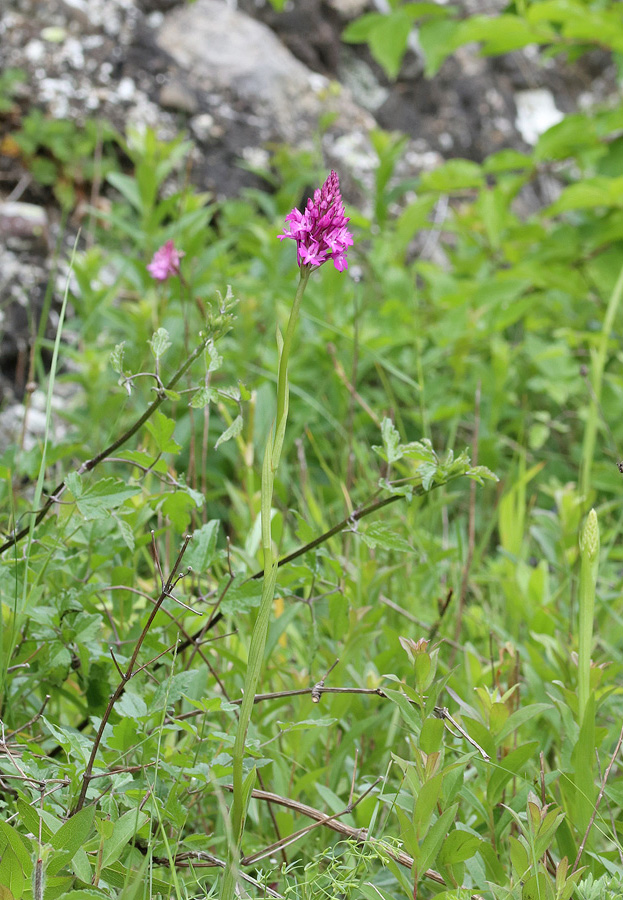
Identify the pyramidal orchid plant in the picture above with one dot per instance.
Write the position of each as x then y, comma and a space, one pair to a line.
321, 234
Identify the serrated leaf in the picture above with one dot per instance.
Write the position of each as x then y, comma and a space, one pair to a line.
160, 342
378, 534
116, 358
161, 428
131, 705
213, 358
104, 495
233, 431
126, 533
74, 484
241, 596
391, 451
202, 547
204, 396
305, 724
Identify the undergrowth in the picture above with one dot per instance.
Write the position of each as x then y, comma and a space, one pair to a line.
439, 708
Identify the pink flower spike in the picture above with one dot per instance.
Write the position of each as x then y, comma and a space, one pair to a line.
320, 231
166, 262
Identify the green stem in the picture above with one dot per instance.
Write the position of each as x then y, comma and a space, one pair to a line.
589, 561
598, 366
242, 788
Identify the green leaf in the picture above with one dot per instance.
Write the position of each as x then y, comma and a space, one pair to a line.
431, 735
520, 717
233, 431
438, 41
204, 396
126, 186
9, 836
379, 535
160, 342
116, 358
70, 837
388, 41
202, 547
458, 847
510, 765
161, 429
359, 31
425, 804
590, 193
213, 358
431, 844
104, 495
123, 831
455, 175
241, 596
131, 705
391, 451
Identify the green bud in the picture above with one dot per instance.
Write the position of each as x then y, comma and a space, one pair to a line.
589, 538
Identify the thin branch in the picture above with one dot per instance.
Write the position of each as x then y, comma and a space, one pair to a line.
30, 722
292, 838
316, 691
166, 589
359, 835
90, 464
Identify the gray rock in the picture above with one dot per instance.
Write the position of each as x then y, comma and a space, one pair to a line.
225, 51
24, 226
177, 95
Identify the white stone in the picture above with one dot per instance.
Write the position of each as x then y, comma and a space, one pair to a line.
536, 112
126, 89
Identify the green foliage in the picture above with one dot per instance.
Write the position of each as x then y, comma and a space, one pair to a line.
571, 27
64, 156
466, 743
9, 81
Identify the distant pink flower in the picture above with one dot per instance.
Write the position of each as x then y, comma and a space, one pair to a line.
320, 231
166, 262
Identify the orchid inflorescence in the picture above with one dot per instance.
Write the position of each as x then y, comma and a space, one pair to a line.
165, 262
320, 231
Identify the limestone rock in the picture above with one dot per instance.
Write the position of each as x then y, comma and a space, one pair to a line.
224, 51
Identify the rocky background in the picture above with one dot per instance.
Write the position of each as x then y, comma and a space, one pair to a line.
240, 77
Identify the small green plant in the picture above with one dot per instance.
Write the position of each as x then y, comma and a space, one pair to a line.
67, 157
9, 81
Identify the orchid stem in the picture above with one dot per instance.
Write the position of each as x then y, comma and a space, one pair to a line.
242, 787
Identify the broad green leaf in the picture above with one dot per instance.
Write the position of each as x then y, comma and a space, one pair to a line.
520, 717
240, 596
104, 495
431, 844
425, 804
160, 342
388, 41
455, 175
161, 428
127, 186
379, 535
204, 396
457, 847
116, 358
202, 548
391, 451
233, 431
510, 765
123, 831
